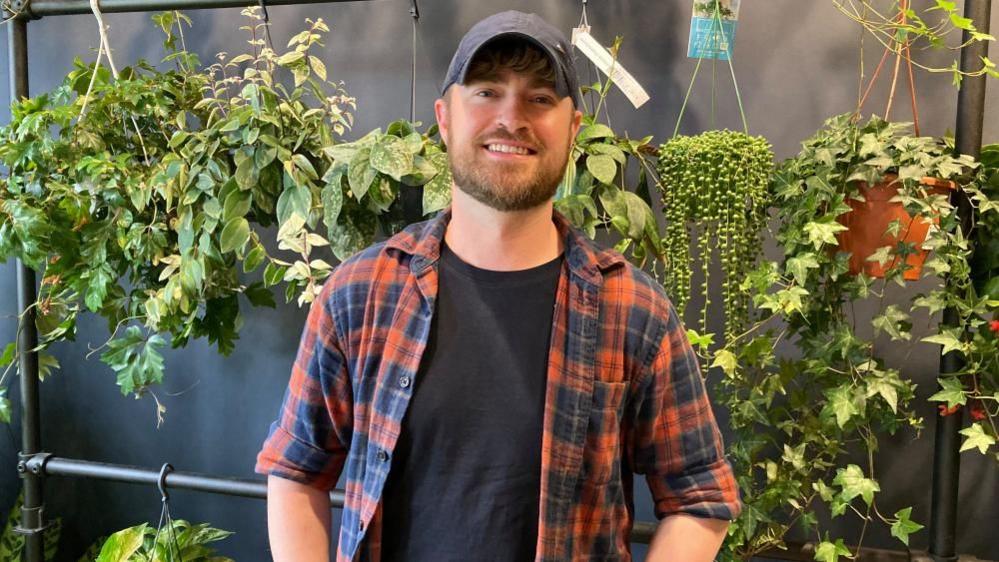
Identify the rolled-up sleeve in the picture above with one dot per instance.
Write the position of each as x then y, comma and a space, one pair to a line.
309, 441
676, 443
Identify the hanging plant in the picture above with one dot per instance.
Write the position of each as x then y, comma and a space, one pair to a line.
595, 191
797, 417
714, 185
142, 197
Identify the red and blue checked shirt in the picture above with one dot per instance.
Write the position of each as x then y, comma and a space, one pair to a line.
624, 395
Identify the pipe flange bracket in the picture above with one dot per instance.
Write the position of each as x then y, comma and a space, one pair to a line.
35, 463
35, 518
20, 9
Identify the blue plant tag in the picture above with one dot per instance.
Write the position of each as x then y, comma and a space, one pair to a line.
712, 29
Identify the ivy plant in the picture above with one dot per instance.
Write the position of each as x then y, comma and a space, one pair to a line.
796, 416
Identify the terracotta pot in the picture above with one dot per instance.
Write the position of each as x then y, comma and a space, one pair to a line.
869, 220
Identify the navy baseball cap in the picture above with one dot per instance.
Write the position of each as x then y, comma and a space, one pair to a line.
532, 29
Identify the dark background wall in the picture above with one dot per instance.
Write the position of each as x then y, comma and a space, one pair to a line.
796, 62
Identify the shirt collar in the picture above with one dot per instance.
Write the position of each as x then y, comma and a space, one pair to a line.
585, 259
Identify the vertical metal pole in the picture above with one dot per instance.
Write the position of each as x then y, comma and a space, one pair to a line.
32, 519
968, 140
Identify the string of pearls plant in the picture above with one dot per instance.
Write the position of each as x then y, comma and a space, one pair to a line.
714, 186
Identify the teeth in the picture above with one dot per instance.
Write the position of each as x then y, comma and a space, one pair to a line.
508, 149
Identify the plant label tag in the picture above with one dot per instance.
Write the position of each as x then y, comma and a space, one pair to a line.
712, 29
602, 58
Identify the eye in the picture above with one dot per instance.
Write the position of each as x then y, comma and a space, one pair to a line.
544, 99
485, 93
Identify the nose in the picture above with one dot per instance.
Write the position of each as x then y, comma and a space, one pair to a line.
512, 114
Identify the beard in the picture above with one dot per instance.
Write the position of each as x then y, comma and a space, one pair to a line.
507, 186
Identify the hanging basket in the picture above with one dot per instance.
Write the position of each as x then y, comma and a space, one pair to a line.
867, 225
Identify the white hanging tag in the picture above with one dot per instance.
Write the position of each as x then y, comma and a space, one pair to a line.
602, 58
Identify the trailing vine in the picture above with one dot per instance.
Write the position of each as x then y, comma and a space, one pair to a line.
714, 185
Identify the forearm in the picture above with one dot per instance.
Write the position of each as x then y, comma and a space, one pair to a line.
298, 521
685, 538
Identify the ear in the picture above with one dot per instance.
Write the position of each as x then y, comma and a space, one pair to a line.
577, 120
441, 112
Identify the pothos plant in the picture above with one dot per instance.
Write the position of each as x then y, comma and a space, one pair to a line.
796, 416
140, 198
716, 185
176, 541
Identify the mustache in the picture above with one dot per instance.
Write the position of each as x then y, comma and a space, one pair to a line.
503, 134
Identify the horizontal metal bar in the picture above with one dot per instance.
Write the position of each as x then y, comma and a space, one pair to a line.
46, 465
227, 486
40, 8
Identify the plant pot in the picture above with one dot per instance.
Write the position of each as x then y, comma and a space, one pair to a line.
868, 223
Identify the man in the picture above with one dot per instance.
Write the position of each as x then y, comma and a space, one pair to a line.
490, 380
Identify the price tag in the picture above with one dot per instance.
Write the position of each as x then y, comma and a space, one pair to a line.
712, 29
603, 60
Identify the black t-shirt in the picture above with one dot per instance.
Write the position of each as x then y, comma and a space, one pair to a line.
466, 472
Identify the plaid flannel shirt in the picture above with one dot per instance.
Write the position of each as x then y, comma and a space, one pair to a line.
624, 395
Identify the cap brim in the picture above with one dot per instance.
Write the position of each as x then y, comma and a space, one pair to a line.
561, 86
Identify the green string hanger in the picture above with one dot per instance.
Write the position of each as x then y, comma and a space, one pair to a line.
717, 30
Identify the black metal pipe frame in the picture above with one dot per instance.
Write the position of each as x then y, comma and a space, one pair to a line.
968, 140
34, 464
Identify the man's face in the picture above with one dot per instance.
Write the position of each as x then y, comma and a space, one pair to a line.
508, 138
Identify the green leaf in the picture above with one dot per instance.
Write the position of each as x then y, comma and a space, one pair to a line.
977, 439
273, 274
841, 404
353, 232
820, 233
9, 353
697, 340
100, 278
360, 174
318, 67
854, 483
390, 156
603, 167
437, 193
135, 359
332, 198
886, 389
235, 234
237, 204
259, 295
121, 546
254, 258
295, 200
595, 131
799, 265
830, 552
894, 322
5, 406
903, 526
948, 339
726, 360
952, 392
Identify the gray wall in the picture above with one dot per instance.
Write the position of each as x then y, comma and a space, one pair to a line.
796, 65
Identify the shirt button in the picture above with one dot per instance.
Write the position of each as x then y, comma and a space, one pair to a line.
360, 525
382, 456
404, 381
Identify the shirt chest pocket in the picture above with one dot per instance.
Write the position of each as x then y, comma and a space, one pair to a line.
601, 455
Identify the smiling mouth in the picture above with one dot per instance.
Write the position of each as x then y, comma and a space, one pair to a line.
509, 149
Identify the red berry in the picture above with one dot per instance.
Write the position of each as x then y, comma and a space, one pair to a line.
994, 326
945, 411
977, 410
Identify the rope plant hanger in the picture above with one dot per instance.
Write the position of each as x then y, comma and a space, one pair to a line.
714, 186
